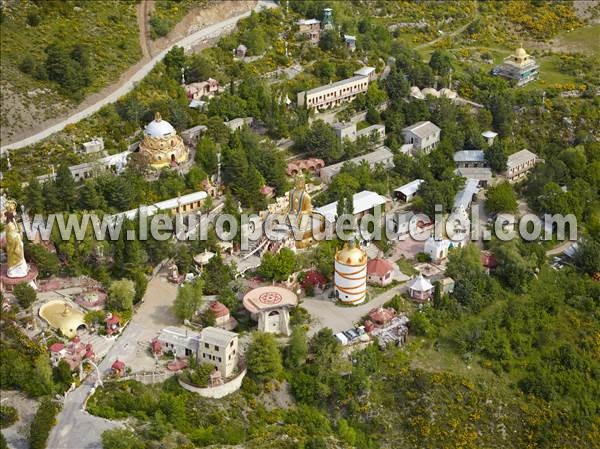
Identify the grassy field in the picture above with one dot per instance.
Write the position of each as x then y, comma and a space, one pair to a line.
108, 29
585, 40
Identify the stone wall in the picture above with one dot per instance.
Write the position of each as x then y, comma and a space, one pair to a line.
216, 392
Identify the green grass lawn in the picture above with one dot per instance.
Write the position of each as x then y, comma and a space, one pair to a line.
585, 39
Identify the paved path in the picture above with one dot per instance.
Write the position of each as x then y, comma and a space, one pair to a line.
210, 32
326, 314
76, 428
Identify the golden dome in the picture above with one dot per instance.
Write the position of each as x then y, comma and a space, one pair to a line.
520, 53
351, 255
62, 315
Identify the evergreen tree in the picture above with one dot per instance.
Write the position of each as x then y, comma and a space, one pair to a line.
206, 155
263, 358
297, 349
90, 198
65, 188
35, 197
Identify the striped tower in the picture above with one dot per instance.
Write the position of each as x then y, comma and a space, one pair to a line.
350, 278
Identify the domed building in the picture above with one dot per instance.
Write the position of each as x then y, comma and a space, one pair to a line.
519, 67
350, 277
161, 144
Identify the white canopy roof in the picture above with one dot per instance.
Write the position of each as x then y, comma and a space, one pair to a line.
420, 284
361, 202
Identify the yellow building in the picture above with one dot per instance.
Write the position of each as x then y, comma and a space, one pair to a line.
161, 144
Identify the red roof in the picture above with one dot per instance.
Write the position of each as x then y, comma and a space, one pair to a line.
488, 260
381, 315
113, 319
379, 267
57, 347
314, 278
156, 346
219, 309
118, 365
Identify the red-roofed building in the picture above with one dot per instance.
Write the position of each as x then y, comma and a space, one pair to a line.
118, 368
380, 272
57, 347
57, 352
221, 313
73, 352
381, 316
488, 260
113, 324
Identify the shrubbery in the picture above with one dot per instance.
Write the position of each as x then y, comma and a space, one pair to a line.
8, 416
44, 420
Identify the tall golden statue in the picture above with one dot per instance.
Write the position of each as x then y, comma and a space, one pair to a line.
16, 265
300, 201
301, 214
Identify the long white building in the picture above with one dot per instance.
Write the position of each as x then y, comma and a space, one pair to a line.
382, 155
334, 94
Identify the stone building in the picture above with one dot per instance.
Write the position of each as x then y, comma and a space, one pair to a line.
311, 28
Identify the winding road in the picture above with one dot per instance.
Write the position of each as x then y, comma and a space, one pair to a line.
209, 32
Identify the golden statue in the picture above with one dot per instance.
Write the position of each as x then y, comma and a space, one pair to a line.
16, 264
300, 201
306, 220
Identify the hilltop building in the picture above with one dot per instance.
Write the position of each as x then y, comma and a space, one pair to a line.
212, 345
519, 164
469, 159
311, 28
380, 272
519, 67
422, 137
334, 94
362, 202
347, 130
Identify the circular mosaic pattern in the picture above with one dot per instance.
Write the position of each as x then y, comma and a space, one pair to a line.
270, 298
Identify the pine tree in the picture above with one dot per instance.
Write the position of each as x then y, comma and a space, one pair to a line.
65, 188
35, 197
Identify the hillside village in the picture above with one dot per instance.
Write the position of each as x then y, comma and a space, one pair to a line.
404, 333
